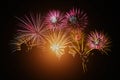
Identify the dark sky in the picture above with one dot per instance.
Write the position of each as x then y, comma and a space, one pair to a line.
102, 15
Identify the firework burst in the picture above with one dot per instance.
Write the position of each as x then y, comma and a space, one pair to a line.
57, 41
55, 19
76, 18
32, 28
98, 41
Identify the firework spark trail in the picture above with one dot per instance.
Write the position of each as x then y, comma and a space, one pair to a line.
76, 18
55, 19
32, 28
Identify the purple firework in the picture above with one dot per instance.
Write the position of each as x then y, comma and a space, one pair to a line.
76, 18
54, 19
32, 28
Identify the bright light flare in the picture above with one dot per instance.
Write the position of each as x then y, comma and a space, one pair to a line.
55, 47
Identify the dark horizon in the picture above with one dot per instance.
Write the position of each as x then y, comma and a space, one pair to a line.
102, 15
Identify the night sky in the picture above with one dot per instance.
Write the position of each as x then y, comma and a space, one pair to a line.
102, 15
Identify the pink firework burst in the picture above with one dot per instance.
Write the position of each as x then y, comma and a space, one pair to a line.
55, 19
32, 28
76, 18
98, 41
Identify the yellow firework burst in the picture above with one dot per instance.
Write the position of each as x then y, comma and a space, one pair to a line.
57, 41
